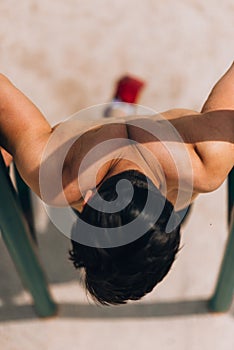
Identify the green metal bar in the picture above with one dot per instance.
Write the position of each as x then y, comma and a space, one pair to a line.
223, 295
24, 196
230, 194
21, 246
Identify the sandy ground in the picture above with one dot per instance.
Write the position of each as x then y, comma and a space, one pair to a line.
67, 57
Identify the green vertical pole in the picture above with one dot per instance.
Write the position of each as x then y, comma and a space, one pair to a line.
21, 247
230, 194
223, 295
24, 196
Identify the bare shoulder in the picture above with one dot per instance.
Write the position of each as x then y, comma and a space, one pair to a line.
94, 152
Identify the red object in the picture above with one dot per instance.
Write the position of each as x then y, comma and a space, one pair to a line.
128, 89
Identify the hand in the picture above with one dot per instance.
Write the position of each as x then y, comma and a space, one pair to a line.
7, 157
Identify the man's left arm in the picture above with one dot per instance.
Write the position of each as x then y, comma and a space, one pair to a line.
23, 131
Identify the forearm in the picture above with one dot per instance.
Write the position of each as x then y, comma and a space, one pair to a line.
19, 117
24, 132
222, 94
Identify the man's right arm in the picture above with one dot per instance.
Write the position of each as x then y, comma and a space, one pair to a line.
222, 94
211, 135
210, 138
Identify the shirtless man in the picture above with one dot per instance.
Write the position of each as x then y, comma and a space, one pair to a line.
116, 274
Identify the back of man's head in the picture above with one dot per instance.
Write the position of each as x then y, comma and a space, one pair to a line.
128, 272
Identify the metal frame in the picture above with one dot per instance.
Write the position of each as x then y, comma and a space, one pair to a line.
21, 246
224, 290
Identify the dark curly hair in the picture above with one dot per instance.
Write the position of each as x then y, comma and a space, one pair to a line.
127, 272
